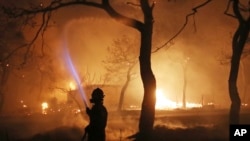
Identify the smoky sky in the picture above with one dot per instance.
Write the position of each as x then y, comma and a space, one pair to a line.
89, 31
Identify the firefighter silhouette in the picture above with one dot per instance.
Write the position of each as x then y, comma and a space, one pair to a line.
95, 131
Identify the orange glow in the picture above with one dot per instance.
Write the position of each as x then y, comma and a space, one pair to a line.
163, 103
45, 106
72, 86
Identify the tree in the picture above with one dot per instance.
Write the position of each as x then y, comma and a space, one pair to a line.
121, 62
145, 28
243, 76
238, 43
224, 58
184, 66
17, 57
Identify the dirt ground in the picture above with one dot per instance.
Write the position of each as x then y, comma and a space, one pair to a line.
179, 125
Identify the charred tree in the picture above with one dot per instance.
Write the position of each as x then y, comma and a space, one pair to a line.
148, 79
238, 43
146, 121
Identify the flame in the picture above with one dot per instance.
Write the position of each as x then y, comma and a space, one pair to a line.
162, 102
72, 86
45, 106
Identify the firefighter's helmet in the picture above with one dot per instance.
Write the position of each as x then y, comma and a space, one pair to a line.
97, 95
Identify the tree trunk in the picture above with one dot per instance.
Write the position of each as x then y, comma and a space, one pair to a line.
238, 44
124, 87
148, 79
244, 87
184, 86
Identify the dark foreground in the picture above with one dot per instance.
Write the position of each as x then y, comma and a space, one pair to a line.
195, 125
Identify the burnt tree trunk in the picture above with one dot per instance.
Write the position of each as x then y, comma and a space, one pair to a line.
238, 43
149, 83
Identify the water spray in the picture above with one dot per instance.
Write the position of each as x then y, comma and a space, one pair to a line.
74, 74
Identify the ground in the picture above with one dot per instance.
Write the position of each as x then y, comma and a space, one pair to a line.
178, 125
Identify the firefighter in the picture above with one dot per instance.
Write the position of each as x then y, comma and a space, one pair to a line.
95, 131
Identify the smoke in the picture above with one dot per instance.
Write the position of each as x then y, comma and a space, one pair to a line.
120, 127
176, 124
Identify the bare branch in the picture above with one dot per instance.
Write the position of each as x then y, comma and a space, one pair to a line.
236, 8
14, 51
42, 28
30, 14
46, 23
170, 41
121, 18
60, 88
134, 4
227, 9
123, 57
55, 5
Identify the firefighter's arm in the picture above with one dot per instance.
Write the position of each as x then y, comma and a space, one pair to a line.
88, 111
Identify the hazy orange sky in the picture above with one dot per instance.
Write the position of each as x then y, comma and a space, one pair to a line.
88, 34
